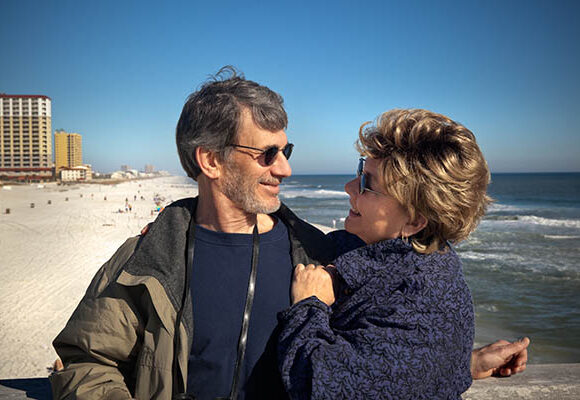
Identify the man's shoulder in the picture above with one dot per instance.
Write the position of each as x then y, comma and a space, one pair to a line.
309, 244
159, 251
178, 207
296, 224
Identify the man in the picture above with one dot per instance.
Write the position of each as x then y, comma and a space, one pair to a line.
222, 260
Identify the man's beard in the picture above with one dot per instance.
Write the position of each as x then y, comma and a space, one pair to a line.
242, 190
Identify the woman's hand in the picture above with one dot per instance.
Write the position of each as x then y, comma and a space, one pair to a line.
313, 280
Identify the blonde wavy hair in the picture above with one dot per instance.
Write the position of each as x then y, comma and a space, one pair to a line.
433, 166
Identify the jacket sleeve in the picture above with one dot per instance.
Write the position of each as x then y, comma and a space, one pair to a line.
374, 358
100, 340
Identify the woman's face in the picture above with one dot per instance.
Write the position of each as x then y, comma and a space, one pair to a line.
373, 216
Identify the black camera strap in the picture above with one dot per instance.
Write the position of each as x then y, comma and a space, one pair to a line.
178, 384
243, 340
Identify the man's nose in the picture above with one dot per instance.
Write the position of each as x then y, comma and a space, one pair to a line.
281, 166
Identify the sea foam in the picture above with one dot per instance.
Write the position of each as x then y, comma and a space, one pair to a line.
559, 237
319, 194
567, 223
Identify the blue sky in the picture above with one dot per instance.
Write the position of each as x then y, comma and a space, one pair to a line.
119, 72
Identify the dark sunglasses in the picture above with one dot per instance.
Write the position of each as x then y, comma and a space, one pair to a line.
364, 180
270, 153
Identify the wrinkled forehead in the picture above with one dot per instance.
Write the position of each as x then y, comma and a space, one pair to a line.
250, 134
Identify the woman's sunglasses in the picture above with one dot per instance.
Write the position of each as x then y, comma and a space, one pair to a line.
364, 180
271, 152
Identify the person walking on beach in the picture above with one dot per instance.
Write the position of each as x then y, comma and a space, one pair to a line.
189, 309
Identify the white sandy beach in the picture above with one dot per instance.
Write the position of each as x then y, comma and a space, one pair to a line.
49, 253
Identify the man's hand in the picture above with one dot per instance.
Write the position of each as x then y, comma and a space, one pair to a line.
501, 358
57, 365
312, 280
146, 229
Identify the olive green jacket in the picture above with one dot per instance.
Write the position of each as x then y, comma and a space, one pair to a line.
118, 344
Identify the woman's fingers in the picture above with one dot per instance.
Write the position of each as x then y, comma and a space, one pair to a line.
312, 280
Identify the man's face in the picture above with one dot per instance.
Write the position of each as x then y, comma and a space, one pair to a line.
247, 180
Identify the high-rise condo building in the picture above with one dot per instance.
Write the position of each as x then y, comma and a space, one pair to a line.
25, 137
68, 150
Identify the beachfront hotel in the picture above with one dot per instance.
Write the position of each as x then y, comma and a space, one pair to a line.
25, 137
68, 150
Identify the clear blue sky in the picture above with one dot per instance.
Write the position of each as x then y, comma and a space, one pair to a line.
119, 72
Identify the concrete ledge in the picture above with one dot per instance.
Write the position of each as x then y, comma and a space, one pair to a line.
538, 382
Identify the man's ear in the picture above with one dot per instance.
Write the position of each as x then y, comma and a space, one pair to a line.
415, 226
208, 162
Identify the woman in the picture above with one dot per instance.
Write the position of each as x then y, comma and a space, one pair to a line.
402, 324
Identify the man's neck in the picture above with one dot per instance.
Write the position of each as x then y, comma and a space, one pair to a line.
217, 213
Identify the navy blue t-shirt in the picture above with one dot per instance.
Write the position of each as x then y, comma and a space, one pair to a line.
219, 283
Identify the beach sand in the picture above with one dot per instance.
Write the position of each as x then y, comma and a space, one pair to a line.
49, 254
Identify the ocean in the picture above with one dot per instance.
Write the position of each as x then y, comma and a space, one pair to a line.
522, 263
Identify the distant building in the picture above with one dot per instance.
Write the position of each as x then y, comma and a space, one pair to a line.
25, 137
149, 168
68, 150
125, 168
80, 173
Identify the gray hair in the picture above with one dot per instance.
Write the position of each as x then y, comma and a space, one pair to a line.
211, 116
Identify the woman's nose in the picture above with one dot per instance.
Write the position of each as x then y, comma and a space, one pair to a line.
350, 187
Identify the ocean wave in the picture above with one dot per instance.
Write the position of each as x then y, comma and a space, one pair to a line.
525, 268
533, 219
567, 223
470, 255
501, 217
494, 207
557, 237
511, 258
487, 307
297, 185
319, 194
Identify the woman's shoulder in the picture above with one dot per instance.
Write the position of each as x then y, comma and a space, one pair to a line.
443, 263
344, 241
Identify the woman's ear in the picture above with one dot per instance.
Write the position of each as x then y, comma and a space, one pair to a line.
208, 162
414, 226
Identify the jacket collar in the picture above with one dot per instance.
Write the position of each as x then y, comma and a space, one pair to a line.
161, 253
308, 244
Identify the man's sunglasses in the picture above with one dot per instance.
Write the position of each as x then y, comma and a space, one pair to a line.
364, 180
271, 152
